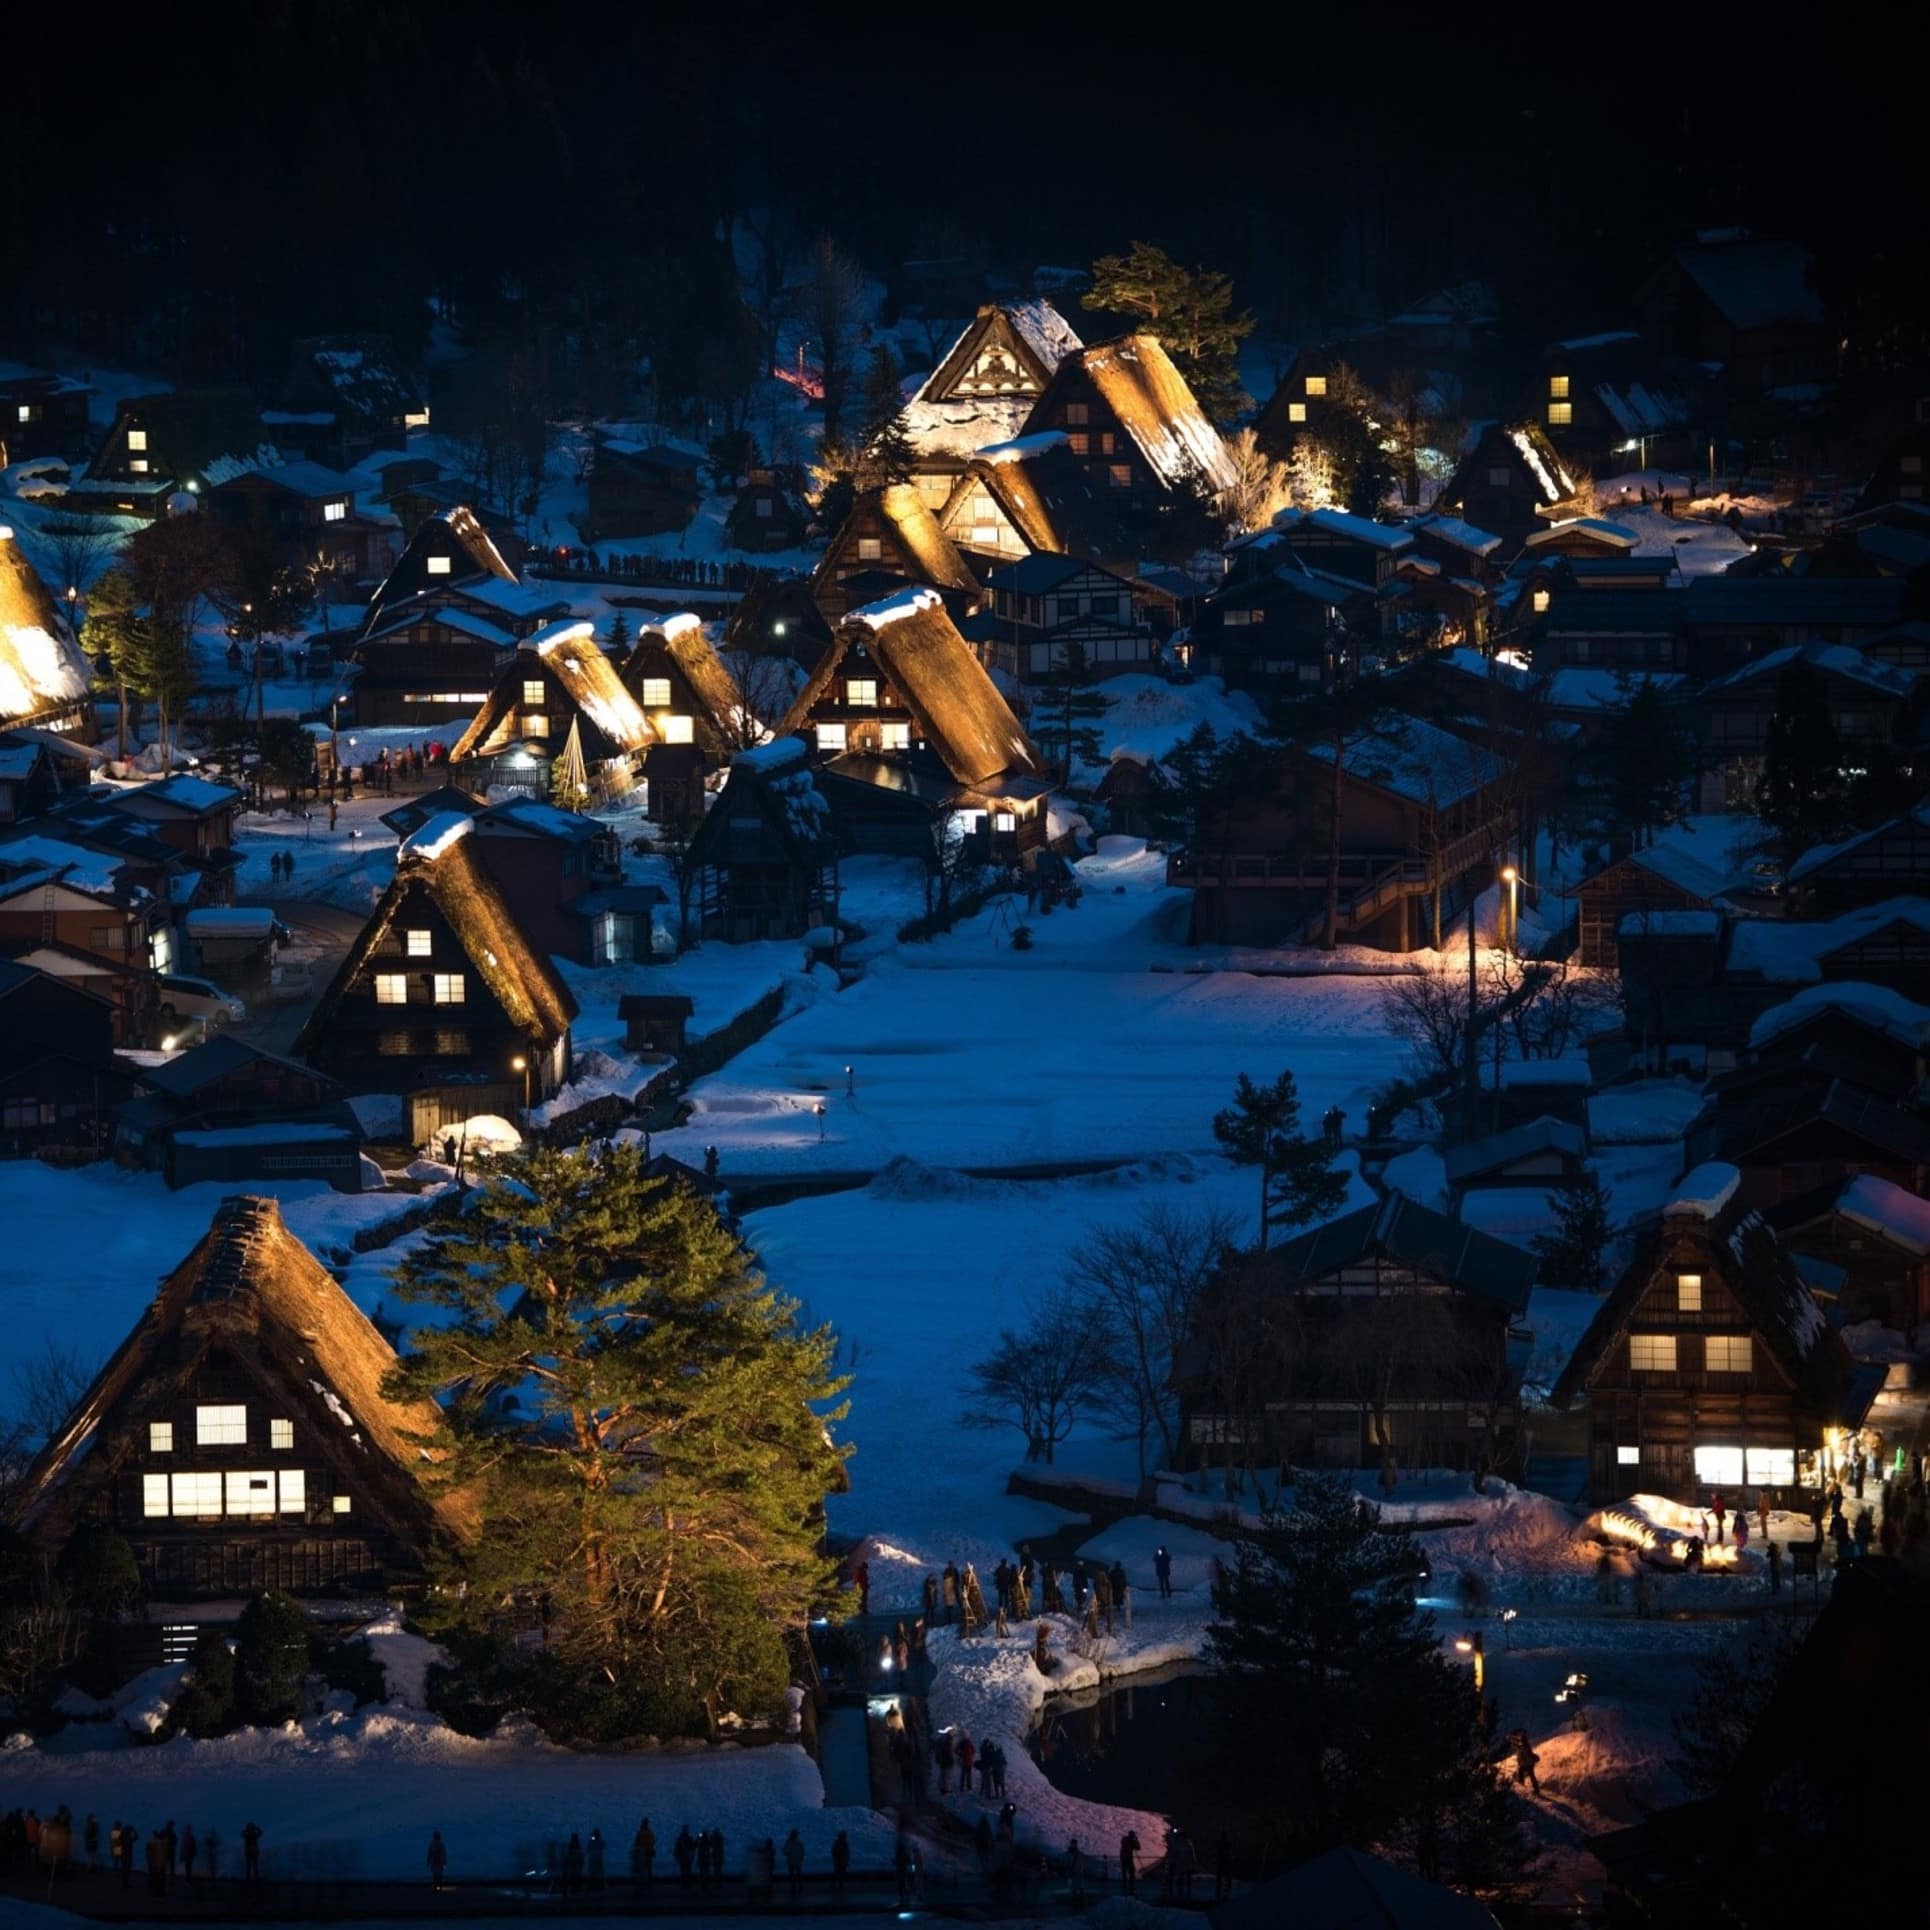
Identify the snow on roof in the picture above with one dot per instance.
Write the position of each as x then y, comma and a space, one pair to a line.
1419, 762
1669, 924
1644, 1112
1879, 1006
1703, 1193
39, 668
1044, 330
894, 609
1639, 410
1603, 340
1617, 533
95, 872
1887, 1209
1596, 687
1463, 536
567, 630
1819, 855
1337, 522
1158, 410
777, 755
1791, 951
1755, 284
1023, 448
676, 625
1544, 1072
1525, 440
443, 831
269, 1133
190, 792
1835, 659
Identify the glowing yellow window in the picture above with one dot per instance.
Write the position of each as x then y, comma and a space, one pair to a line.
1296, 412
1316, 385
1558, 388
1560, 414
1688, 1292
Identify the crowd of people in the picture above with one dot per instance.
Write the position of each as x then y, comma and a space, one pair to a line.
59, 1846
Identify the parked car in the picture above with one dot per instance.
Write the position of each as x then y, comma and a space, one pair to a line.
199, 998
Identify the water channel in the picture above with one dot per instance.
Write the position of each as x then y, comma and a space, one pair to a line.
1130, 1741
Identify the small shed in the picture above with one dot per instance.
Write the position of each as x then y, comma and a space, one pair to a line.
654, 1023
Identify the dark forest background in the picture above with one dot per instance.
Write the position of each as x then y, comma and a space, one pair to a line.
188, 190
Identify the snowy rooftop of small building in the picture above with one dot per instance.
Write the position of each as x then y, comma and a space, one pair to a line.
1603, 340
1619, 534
1891, 1211
1879, 1006
1463, 536
191, 793
1705, 1191
1791, 951
1337, 522
95, 872
1837, 659
777, 755
441, 833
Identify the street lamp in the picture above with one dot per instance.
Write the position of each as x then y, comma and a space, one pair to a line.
1512, 879
521, 1064
1475, 1645
819, 1110
850, 1083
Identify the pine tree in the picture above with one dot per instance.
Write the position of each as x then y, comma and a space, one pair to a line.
644, 1432
112, 634
885, 433
1641, 763
1802, 792
1573, 1255
616, 636
1298, 1179
1071, 710
271, 1657
1191, 312
1340, 1720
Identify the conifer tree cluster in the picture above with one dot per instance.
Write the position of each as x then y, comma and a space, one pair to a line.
642, 1433
1190, 310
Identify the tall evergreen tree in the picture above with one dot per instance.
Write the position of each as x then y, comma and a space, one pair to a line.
1641, 765
1069, 716
885, 433
271, 1657
616, 636
1340, 1719
643, 1430
112, 634
1574, 1254
1802, 792
1298, 1178
1190, 310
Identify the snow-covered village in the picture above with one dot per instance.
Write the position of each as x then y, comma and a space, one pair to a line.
882, 1049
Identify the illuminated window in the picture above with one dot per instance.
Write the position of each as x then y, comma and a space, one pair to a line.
452, 1045
1120, 475
26, 412
1078, 444
420, 941
1541, 602
391, 988
160, 1437
1688, 1293
1316, 385
335, 512
897, 737
1077, 415
1727, 1354
291, 1491
830, 737
1770, 1467
533, 692
281, 1434
1652, 1353
1628, 1457
341, 1504
1004, 821
871, 549
1560, 414
1105, 445
437, 565
393, 1045
251, 1494
138, 464
137, 439
678, 730
449, 988
656, 693
1296, 412
1719, 1467
1558, 388
535, 724
195, 1494
861, 692
154, 1494
220, 1426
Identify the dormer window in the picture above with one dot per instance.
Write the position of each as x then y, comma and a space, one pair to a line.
1651, 1353
677, 730
420, 941
1560, 414
1727, 1354
1541, 601
1077, 415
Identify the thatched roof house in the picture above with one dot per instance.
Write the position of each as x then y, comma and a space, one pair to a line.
682, 685
448, 551
558, 687
890, 532
43, 676
442, 983
239, 1438
1016, 499
764, 860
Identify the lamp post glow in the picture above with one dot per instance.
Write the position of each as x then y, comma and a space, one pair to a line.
850, 1083
521, 1064
1512, 879
819, 1110
1475, 1645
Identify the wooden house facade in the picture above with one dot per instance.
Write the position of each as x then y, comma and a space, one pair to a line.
1045, 605
893, 534
30, 778
1890, 861
1425, 819
74, 914
442, 988
307, 516
983, 390
764, 861
558, 716
1710, 1367
1029, 495
1513, 483
239, 1438
158, 445
1638, 886
1390, 1333
767, 513
640, 489
1281, 632
59, 1078
1878, 1234
42, 414
901, 710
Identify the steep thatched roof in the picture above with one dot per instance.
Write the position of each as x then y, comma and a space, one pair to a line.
682, 639
957, 707
454, 533
612, 723
1048, 496
41, 669
990, 377
1158, 410
441, 862
927, 545
251, 1288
